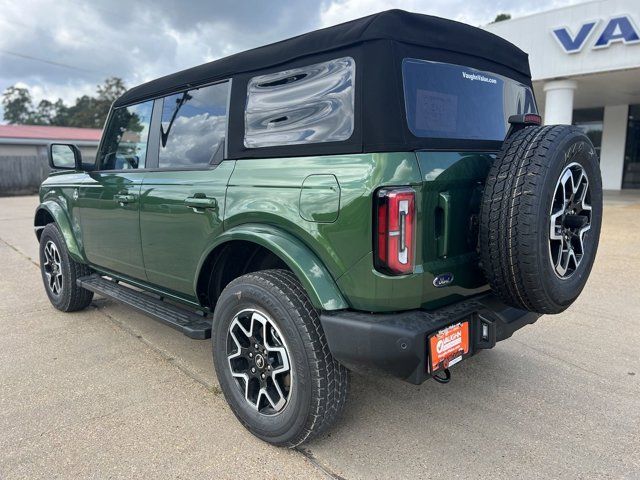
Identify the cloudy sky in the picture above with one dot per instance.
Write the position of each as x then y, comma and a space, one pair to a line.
63, 48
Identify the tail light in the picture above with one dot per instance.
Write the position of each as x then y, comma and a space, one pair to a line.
394, 243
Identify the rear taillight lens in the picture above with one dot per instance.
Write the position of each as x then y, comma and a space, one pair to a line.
394, 242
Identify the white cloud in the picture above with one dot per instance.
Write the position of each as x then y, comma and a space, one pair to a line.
51, 91
340, 11
473, 12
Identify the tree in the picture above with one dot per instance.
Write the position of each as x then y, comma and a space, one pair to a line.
61, 116
43, 115
108, 93
17, 105
84, 113
502, 17
112, 89
87, 111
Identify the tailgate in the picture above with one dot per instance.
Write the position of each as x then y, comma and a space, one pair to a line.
452, 185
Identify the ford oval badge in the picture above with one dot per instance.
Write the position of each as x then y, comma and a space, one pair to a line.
443, 280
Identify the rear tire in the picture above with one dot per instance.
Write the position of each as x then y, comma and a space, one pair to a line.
279, 325
540, 218
60, 272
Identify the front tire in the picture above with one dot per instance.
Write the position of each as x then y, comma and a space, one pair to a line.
60, 272
272, 359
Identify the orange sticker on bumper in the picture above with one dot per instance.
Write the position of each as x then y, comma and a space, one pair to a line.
447, 345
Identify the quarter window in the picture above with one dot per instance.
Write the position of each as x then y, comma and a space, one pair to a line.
302, 105
125, 142
193, 127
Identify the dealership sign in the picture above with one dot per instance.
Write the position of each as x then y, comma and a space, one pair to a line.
617, 29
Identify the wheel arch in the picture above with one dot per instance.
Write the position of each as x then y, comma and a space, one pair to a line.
51, 212
305, 265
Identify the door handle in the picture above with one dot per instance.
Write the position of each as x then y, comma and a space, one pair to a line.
200, 200
124, 198
443, 225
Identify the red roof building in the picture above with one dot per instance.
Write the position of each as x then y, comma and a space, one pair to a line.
27, 146
24, 152
41, 134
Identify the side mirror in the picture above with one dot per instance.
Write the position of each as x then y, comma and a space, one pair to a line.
65, 156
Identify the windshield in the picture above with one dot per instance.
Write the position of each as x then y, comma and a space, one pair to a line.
443, 100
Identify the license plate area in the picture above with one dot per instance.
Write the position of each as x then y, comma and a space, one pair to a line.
447, 346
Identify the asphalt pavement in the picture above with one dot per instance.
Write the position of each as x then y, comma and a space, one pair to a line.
110, 393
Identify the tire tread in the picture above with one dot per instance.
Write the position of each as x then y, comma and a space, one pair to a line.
508, 244
75, 298
331, 379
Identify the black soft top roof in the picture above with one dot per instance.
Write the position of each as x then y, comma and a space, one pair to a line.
396, 25
377, 44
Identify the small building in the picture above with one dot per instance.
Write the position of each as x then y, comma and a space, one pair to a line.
23, 153
585, 66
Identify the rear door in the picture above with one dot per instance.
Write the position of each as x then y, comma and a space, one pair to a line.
451, 194
182, 200
109, 199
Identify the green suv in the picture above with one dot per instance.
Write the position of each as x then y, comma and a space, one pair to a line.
377, 196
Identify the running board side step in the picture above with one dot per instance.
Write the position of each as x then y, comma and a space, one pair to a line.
184, 320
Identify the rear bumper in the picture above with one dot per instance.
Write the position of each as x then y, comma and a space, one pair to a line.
396, 343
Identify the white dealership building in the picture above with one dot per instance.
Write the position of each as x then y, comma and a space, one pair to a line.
585, 64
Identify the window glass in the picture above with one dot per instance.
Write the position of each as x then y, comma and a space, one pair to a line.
302, 105
443, 100
590, 121
193, 127
631, 175
125, 142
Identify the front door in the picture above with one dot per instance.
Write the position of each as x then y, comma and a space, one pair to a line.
109, 199
182, 201
180, 214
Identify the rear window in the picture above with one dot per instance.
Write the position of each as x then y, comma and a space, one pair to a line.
443, 100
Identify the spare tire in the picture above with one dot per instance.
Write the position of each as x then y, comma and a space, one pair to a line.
540, 218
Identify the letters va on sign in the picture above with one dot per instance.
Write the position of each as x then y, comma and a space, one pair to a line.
620, 28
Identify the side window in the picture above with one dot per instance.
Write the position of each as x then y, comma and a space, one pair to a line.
125, 142
303, 105
193, 127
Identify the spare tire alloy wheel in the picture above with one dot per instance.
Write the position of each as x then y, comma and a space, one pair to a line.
540, 218
570, 220
259, 361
